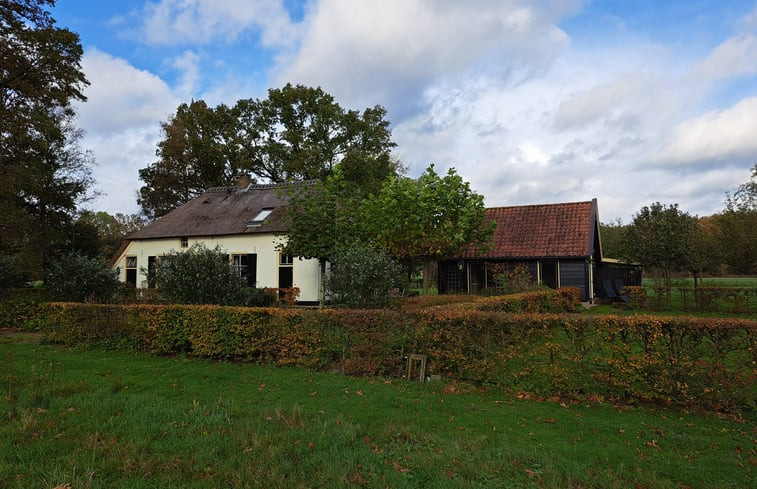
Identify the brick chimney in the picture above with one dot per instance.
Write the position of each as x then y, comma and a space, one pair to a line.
242, 181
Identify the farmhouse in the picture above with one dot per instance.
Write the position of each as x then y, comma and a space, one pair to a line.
559, 243
244, 220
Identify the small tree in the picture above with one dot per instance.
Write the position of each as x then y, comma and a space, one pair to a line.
362, 276
198, 275
78, 278
662, 237
426, 219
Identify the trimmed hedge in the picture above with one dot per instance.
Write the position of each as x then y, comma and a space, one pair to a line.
673, 360
565, 299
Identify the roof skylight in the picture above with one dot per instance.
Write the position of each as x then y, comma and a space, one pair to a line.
261, 216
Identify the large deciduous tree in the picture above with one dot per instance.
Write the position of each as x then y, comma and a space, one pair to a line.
194, 154
45, 172
662, 237
296, 133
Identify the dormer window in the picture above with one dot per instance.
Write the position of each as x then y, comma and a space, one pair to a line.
260, 217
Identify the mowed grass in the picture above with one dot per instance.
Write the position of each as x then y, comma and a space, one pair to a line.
749, 282
114, 420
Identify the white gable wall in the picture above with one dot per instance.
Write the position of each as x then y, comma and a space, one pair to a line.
306, 273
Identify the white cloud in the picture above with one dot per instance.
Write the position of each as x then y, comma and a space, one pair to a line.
121, 96
716, 136
188, 65
734, 57
387, 52
172, 22
121, 120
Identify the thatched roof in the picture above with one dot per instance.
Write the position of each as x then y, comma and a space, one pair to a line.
222, 211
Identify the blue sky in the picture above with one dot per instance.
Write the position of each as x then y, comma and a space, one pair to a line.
631, 102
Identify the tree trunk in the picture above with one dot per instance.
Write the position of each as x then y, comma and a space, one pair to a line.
429, 275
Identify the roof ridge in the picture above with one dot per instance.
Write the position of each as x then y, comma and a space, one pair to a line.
539, 205
260, 186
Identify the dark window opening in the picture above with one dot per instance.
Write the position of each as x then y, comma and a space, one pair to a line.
549, 274
184, 242
246, 266
286, 277
131, 270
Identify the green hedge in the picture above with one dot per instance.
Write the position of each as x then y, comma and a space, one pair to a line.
678, 360
561, 300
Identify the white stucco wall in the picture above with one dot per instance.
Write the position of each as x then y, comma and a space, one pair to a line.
306, 273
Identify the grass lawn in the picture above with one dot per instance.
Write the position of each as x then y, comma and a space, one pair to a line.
706, 282
108, 420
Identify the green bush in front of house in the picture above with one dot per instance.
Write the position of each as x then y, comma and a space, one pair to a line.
78, 278
198, 275
362, 277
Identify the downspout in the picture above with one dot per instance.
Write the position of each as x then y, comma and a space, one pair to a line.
591, 279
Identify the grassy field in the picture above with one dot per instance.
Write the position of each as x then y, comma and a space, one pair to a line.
706, 282
109, 420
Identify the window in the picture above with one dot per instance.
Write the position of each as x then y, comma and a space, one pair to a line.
184, 242
549, 274
131, 270
286, 269
260, 217
246, 266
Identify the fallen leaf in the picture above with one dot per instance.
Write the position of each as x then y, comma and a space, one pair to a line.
399, 467
359, 392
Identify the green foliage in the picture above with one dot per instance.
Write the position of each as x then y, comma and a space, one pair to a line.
613, 238
512, 279
296, 133
45, 172
110, 230
11, 274
688, 361
321, 218
662, 236
362, 277
198, 275
429, 218
78, 278
735, 228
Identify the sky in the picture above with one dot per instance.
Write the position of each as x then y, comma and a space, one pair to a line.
629, 102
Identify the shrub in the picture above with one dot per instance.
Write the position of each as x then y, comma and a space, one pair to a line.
561, 300
11, 274
77, 278
198, 276
362, 276
512, 279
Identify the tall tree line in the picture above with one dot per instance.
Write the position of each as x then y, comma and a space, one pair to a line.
46, 174
666, 239
296, 133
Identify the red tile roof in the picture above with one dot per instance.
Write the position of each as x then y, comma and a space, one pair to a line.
549, 230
